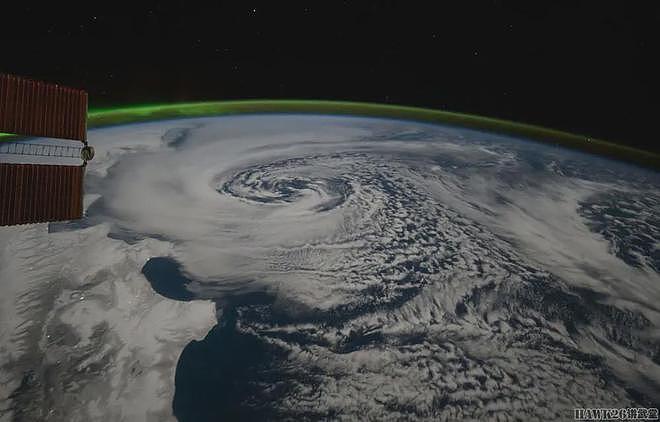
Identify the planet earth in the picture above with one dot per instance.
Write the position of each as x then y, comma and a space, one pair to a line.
306, 267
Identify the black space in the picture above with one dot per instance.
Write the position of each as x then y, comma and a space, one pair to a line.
585, 67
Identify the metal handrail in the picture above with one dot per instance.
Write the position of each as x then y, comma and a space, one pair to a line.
40, 150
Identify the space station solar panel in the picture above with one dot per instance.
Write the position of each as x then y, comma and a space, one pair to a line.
36, 193
35, 108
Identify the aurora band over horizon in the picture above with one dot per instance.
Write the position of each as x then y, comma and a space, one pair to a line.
143, 113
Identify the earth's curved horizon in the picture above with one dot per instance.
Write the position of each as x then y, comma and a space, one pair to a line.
101, 117
317, 266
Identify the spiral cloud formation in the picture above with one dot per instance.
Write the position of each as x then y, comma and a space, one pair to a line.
338, 267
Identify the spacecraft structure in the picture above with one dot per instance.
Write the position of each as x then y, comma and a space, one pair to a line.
38, 182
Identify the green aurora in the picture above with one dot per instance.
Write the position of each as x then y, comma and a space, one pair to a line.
143, 113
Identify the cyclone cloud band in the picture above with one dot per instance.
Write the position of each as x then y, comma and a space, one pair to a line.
377, 268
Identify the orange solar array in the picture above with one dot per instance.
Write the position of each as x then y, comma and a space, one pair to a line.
37, 108
36, 193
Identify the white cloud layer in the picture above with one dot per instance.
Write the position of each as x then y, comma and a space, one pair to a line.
418, 271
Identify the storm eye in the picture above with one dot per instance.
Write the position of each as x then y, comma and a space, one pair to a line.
291, 181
